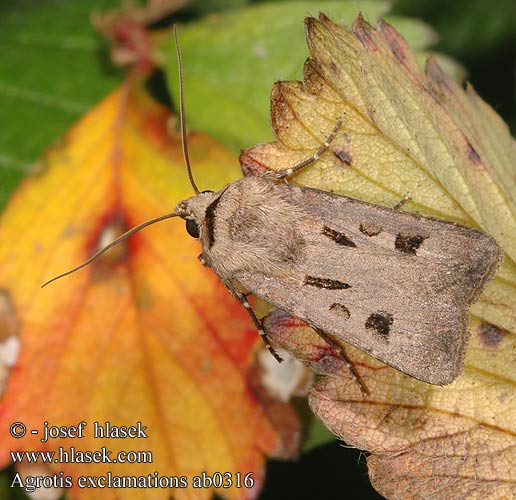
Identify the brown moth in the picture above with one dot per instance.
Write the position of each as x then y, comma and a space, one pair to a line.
396, 285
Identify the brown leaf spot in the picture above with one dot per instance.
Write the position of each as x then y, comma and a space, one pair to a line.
343, 156
9, 324
380, 322
397, 49
370, 229
361, 29
490, 335
250, 165
341, 310
408, 243
440, 80
473, 156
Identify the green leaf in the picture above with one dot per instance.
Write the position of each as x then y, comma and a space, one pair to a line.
52, 69
231, 61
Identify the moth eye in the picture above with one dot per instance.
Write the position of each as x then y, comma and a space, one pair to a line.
192, 228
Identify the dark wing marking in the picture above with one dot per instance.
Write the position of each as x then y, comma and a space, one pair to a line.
209, 219
338, 237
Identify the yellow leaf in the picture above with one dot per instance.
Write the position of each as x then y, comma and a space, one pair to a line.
410, 133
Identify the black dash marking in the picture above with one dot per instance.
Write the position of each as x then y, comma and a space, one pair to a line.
380, 322
327, 283
408, 244
340, 309
338, 237
343, 156
370, 229
209, 217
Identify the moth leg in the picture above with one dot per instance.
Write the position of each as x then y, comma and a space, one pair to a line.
242, 298
401, 202
287, 172
340, 351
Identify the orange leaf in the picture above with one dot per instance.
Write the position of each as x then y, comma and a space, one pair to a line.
145, 334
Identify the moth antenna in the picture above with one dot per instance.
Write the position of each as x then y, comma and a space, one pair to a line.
184, 143
184, 146
111, 245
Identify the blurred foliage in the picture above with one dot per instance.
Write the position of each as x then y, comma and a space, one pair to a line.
473, 28
232, 59
481, 34
53, 68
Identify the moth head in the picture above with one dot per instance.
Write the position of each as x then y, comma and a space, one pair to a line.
194, 211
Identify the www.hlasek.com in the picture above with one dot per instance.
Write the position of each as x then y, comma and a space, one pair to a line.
31, 483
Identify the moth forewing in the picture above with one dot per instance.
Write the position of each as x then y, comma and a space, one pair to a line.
393, 284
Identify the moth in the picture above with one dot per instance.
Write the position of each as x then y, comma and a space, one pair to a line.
396, 285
